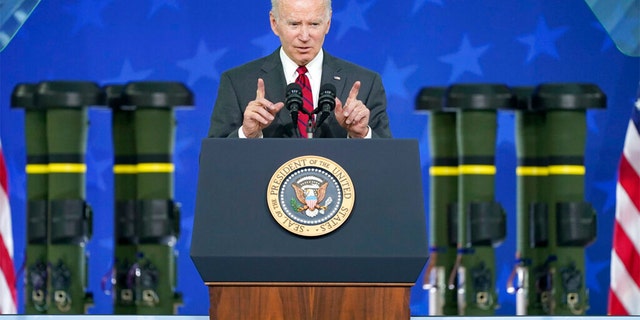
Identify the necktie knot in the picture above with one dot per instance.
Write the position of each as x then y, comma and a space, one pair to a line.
302, 70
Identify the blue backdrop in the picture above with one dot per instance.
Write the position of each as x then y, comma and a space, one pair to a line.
411, 43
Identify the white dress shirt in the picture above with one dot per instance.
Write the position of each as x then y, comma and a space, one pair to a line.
314, 73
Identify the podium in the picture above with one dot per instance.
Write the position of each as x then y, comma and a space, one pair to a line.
256, 269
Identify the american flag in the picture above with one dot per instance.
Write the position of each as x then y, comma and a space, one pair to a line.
7, 273
624, 293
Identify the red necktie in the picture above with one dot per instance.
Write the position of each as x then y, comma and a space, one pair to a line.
307, 100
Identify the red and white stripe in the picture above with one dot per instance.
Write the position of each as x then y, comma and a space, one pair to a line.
624, 293
8, 297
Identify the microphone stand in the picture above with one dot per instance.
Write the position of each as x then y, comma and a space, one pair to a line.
294, 120
310, 128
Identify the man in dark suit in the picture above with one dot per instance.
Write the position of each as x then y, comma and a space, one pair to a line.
301, 25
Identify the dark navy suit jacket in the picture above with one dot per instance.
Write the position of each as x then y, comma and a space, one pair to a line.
238, 87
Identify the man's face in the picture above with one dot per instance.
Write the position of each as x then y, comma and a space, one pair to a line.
301, 26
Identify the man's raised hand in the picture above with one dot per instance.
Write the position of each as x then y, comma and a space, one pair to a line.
259, 113
353, 115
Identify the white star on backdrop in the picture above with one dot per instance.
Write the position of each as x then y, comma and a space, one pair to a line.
128, 74
157, 4
202, 65
352, 17
87, 13
394, 78
465, 59
543, 40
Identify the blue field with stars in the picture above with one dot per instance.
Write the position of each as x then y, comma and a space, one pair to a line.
411, 43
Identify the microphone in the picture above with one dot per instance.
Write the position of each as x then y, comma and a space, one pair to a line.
293, 102
326, 102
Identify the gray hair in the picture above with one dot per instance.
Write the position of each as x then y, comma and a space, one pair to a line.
275, 7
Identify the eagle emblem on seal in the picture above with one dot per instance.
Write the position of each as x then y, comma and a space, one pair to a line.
310, 194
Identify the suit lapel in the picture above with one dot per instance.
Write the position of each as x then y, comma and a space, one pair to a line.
332, 73
273, 77
275, 84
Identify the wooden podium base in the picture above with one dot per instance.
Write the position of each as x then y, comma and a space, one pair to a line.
300, 301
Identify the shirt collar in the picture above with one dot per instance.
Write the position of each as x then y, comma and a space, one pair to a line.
314, 67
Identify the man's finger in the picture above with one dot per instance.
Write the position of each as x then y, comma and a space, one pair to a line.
276, 107
261, 115
353, 94
260, 90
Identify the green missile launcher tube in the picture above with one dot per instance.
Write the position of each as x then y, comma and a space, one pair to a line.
481, 221
144, 128
571, 220
443, 196
58, 218
37, 171
65, 104
531, 267
125, 181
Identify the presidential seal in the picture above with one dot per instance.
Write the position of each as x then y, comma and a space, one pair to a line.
310, 196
